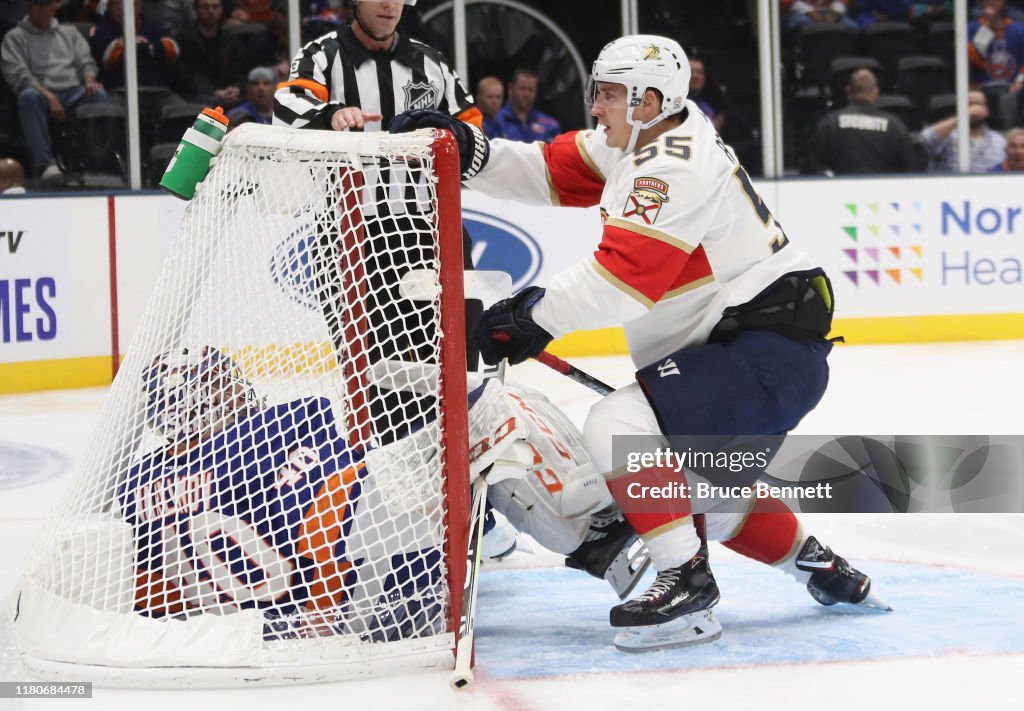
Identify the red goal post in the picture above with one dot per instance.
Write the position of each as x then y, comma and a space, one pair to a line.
254, 507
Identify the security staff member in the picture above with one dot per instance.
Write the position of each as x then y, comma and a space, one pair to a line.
860, 138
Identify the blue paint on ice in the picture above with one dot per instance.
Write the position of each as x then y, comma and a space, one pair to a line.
548, 621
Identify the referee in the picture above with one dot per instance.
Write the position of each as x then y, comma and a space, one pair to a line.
363, 74
357, 78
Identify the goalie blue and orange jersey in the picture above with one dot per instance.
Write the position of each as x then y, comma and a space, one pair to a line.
254, 515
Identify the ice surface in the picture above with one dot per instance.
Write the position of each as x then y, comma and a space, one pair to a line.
956, 639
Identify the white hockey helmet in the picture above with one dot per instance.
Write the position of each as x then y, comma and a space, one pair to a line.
642, 62
192, 393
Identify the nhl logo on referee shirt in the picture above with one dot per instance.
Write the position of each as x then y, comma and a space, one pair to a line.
420, 96
646, 199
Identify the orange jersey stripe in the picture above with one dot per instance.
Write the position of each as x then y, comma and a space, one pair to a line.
156, 595
320, 532
170, 48
317, 90
648, 265
472, 115
112, 58
573, 180
975, 58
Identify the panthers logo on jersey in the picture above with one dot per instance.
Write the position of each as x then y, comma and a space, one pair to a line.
646, 199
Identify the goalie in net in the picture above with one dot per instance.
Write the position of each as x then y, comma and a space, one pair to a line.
256, 506
260, 506
284, 542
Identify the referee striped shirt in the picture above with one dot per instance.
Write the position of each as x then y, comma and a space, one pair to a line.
337, 71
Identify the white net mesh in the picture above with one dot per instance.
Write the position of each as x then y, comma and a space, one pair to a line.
257, 494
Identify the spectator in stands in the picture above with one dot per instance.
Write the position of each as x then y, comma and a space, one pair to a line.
49, 68
240, 120
210, 68
988, 147
798, 13
698, 83
156, 52
272, 16
256, 11
996, 48
1014, 152
12, 177
173, 17
1013, 9
860, 138
930, 10
872, 11
322, 18
259, 91
518, 120
490, 95
78, 10
919, 13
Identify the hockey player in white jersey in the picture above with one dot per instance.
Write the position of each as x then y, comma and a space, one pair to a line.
725, 320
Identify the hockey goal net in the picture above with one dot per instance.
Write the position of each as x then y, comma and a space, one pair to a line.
277, 488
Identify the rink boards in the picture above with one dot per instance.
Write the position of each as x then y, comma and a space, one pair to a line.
923, 259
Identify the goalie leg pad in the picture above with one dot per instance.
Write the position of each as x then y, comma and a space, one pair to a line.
584, 492
526, 510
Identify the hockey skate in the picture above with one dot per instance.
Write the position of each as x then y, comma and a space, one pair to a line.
674, 612
833, 580
612, 551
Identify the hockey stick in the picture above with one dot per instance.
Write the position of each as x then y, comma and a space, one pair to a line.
571, 371
462, 675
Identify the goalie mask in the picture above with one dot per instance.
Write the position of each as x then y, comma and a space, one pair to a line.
639, 63
193, 393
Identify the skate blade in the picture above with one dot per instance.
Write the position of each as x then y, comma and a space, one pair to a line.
874, 602
687, 631
627, 568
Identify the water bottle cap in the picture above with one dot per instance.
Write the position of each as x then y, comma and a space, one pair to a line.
216, 114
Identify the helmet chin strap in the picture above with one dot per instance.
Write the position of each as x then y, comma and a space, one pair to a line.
638, 127
355, 15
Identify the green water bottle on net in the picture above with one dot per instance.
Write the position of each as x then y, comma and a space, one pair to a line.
191, 161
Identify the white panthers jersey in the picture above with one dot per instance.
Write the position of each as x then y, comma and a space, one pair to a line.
685, 234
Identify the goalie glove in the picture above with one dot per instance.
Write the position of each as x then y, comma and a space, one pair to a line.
505, 330
474, 148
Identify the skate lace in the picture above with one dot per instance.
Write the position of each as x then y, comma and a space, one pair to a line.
664, 582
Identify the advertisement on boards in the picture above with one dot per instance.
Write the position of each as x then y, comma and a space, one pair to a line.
54, 279
898, 247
